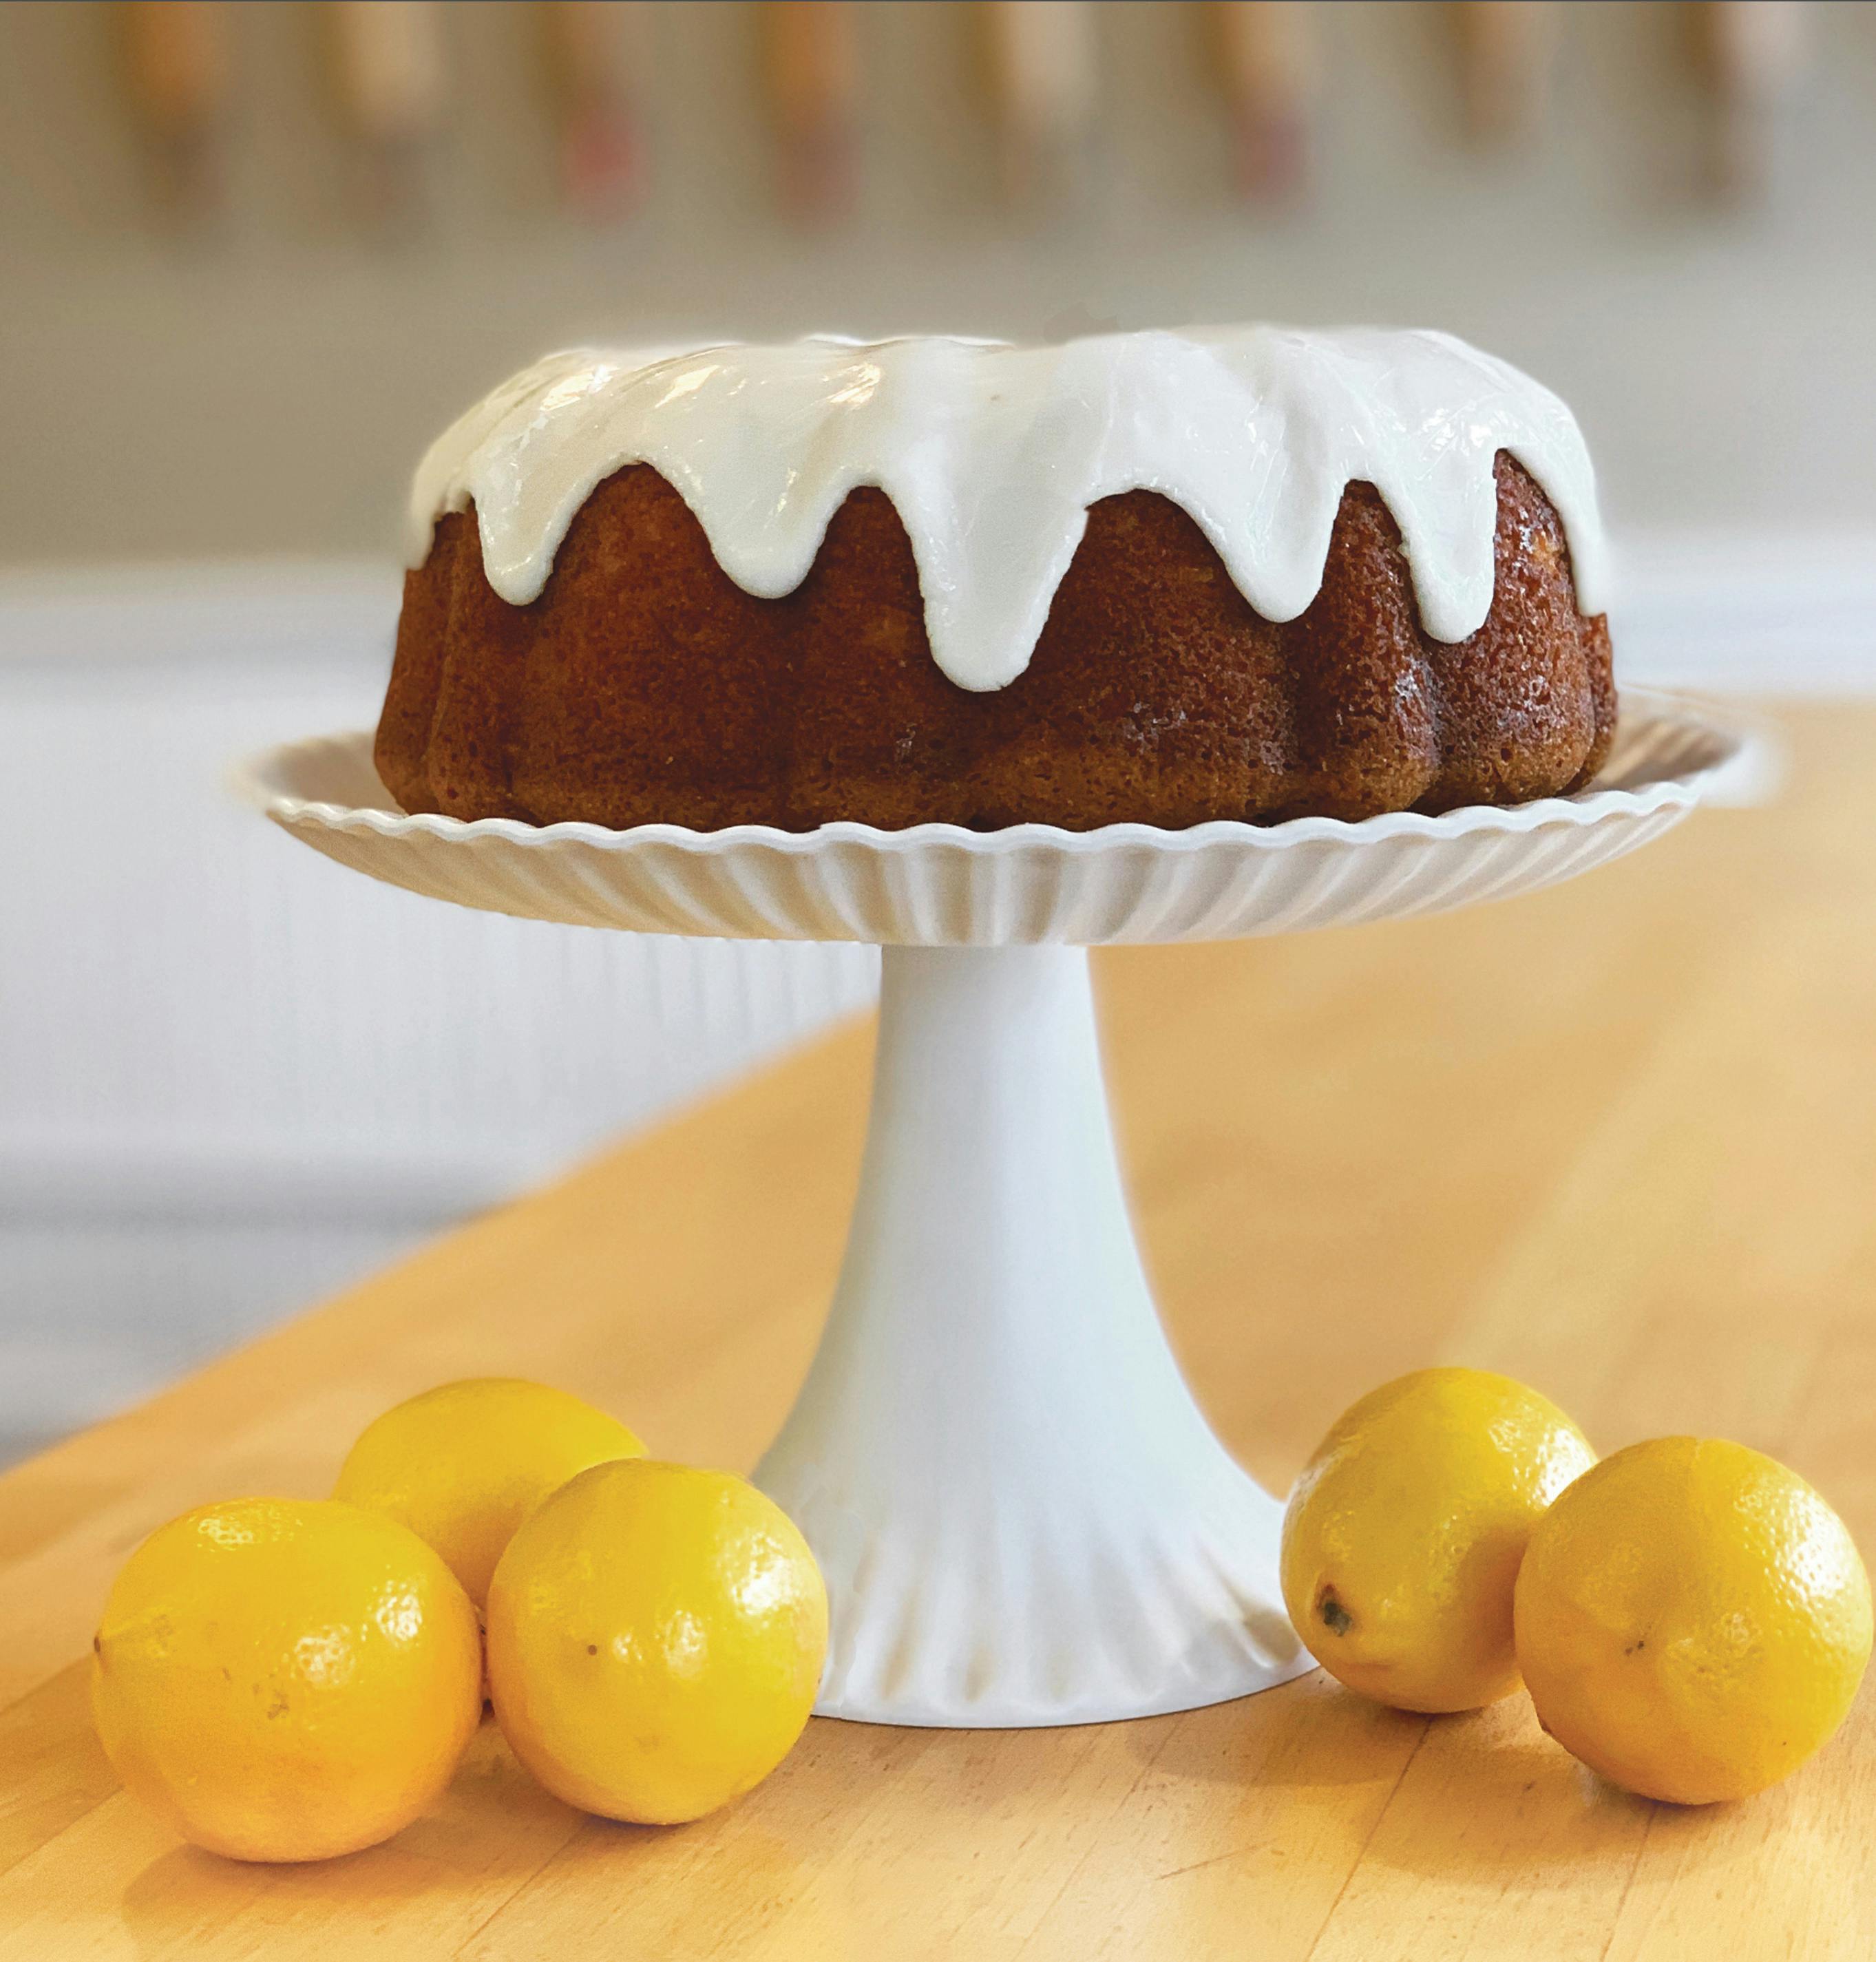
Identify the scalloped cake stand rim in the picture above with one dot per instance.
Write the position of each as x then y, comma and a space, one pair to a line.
258, 783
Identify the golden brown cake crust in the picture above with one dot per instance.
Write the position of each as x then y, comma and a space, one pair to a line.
645, 686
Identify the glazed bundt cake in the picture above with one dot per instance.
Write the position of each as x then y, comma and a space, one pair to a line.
1239, 573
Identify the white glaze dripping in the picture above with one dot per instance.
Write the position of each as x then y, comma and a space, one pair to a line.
991, 455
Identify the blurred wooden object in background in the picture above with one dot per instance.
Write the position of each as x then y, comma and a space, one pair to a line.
811, 64
596, 55
1750, 54
1263, 52
1041, 70
388, 71
176, 56
1506, 51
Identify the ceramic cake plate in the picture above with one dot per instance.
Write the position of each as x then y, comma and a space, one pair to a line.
1022, 1516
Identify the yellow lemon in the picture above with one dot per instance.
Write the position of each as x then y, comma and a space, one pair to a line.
463, 1465
1402, 1538
286, 1680
1693, 1620
655, 1634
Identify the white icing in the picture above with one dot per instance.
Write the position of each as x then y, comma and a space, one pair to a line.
992, 454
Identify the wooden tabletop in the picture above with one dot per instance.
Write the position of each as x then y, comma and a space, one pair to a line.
1618, 1139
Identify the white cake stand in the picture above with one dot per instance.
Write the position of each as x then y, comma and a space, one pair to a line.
1022, 1516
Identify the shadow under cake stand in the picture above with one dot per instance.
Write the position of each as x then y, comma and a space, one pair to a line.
1021, 1515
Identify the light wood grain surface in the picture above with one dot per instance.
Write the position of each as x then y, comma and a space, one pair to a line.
1618, 1139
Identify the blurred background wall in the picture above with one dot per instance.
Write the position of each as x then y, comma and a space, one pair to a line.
264, 384
231, 1075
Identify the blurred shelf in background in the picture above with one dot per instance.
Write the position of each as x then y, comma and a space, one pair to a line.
1048, 76
260, 378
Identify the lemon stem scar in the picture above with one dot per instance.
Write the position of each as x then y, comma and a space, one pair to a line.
1333, 1616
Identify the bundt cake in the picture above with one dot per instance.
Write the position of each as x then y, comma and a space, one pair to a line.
1239, 573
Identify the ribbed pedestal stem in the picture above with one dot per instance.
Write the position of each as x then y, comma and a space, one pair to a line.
1022, 1516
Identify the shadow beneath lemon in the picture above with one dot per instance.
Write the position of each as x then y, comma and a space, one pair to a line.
1484, 1795
497, 1833
1473, 1800
186, 1892
494, 1827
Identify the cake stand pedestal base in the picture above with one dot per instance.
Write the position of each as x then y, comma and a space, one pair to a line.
1022, 1516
